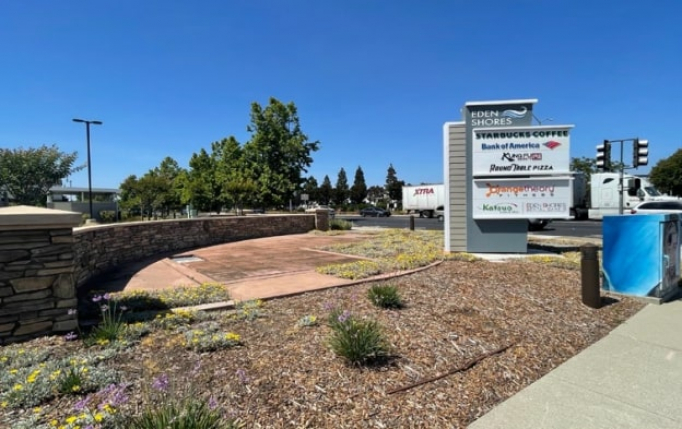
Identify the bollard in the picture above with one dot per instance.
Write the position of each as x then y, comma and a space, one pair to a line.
411, 222
589, 270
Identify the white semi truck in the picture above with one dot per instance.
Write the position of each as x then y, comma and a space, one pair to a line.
423, 199
605, 199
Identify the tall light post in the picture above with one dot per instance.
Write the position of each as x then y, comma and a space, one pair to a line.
87, 133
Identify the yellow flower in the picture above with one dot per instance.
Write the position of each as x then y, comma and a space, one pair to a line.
17, 387
109, 409
37, 410
4, 359
99, 417
13, 371
54, 423
4, 404
75, 388
71, 420
232, 336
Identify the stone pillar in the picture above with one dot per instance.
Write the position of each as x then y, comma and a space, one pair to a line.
322, 220
37, 287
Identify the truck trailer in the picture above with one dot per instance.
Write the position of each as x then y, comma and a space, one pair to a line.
423, 199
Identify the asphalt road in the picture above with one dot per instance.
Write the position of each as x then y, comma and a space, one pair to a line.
565, 228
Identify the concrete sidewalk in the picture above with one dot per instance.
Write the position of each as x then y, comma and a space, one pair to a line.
632, 378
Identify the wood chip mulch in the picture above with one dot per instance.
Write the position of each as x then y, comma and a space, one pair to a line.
471, 335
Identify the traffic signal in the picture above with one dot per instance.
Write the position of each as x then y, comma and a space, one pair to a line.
640, 152
604, 156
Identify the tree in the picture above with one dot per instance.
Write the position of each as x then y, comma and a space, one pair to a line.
341, 191
200, 185
168, 171
28, 174
146, 194
358, 192
375, 194
278, 152
394, 187
666, 175
326, 191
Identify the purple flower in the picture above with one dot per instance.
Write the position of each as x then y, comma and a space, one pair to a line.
241, 375
82, 404
212, 403
124, 308
328, 306
70, 336
89, 427
161, 383
107, 297
344, 316
114, 395
104, 307
97, 298
72, 311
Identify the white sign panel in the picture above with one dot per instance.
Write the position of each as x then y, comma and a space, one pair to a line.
540, 198
521, 151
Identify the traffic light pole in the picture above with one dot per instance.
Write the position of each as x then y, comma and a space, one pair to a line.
640, 157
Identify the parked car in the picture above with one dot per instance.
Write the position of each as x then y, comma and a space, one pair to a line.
374, 211
332, 212
662, 207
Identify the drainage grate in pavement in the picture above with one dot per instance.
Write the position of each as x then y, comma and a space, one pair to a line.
185, 259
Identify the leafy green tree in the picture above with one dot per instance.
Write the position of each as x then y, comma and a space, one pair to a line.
28, 174
146, 194
358, 192
666, 175
168, 171
278, 152
376, 193
341, 191
326, 191
200, 186
394, 187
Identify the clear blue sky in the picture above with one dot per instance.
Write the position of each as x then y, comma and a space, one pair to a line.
374, 81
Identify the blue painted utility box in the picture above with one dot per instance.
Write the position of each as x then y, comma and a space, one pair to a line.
641, 255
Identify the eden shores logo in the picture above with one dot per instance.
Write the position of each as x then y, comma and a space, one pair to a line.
487, 118
500, 208
525, 190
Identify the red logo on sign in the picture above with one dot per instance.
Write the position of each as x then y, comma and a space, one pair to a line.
552, 144
423, 191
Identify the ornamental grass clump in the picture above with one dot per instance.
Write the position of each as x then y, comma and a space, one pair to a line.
168, 404
358, 342
385, 296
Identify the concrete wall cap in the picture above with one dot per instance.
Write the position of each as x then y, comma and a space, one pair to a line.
29, 217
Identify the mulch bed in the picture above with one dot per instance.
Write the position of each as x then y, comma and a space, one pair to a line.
286, 376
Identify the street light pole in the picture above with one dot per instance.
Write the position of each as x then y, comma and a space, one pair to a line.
87, 133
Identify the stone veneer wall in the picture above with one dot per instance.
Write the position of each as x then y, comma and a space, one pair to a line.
36, 272
98, 249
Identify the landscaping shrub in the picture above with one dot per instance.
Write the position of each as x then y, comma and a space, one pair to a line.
340, 225
359, 342
385, 296
107, 216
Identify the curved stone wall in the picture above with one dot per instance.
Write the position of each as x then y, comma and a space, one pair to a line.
98, 249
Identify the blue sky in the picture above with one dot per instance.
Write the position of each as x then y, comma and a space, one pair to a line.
373, 81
